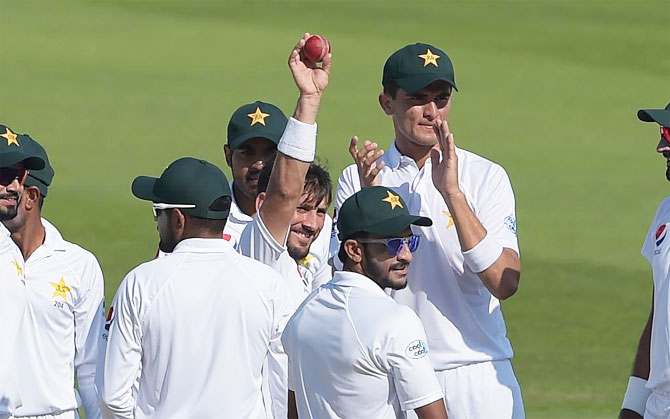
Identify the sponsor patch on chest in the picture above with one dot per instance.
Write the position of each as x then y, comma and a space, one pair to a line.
661, 233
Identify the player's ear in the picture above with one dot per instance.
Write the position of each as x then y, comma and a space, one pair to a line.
385, 101
228, 152
178, 220
354, 250
31, 197
259, 200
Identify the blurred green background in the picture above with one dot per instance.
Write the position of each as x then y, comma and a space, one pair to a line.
549, 89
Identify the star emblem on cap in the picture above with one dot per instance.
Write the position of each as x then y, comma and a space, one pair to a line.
429, 58
258, 117
451, 218
60, 289
393, 200
10, 137
19, 270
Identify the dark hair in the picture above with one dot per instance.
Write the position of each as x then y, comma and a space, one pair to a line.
342, 254
317, 182
391, 89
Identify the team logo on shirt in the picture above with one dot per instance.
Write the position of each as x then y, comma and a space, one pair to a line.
19, 270
451, 218
60, 289
305, 261
510, 223
417, 349
110, 317
660, 234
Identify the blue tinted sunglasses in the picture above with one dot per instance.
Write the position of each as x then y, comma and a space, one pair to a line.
394, 245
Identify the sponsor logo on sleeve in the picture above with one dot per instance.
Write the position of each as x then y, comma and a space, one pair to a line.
661, 232
416, 349
510, 223
110, 317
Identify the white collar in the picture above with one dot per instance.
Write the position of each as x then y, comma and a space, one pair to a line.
356, 280
235, 211
203, 245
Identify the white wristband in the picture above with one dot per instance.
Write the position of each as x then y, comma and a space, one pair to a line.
298, 140
483, 255
636, 395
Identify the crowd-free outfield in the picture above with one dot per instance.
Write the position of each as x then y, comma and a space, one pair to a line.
548, 89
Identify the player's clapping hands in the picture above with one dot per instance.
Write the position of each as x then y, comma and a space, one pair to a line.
367, 161
445, 167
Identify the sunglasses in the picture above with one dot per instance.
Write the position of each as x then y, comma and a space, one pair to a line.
665, 134
158, 206
394, 245
9, 175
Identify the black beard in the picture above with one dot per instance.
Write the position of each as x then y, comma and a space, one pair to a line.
11, 212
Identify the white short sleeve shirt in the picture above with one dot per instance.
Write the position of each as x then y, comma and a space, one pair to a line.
12, 308
355, 353
656, 249
62, 328
463, 320
193, 329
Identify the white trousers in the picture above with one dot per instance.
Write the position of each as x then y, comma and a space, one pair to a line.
658, 406
485, 390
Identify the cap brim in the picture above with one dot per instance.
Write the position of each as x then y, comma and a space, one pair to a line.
416, 83
237, 142
143, 188
660, 116
397, 224
30, 163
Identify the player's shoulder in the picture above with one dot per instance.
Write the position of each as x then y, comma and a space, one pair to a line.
664, 206
73, 253
474, 161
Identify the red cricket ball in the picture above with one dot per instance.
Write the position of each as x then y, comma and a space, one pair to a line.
316, 48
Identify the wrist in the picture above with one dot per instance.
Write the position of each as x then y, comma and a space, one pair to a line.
453, 196
307, 108
636, 395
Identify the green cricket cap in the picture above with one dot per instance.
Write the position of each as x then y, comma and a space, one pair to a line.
376, 210
415, 66
41, 178
254, 120
660, 116
187, 181
12, 151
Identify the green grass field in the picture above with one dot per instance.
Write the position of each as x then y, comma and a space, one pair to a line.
549, 89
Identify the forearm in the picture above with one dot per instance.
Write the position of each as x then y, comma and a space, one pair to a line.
434, 410
501, 278
635, 398
641, 365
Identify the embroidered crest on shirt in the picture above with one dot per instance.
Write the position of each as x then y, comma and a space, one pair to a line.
305, 261
60, 289
258, 117
429, 58
19, 270
393, 200
417, 349
451, 218
510, 223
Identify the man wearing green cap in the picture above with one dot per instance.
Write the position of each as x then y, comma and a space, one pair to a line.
648, 391
14, 166
254, 131
374, 363
61, 333
190, 332
470, 258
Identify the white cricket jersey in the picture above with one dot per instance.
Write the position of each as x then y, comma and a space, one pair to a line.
12, 309
355, 353
62, 329
236, 222
257, 243
194, 329
463, 320
656, 250
317, 259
